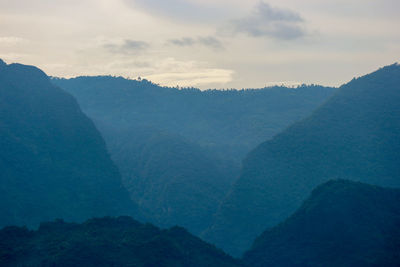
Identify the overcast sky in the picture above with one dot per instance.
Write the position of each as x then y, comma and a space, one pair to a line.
204, 43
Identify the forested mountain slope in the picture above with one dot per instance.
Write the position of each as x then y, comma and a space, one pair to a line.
342, 223
173, 180
230, 122
53, 161
179, 151
355, 136
107, 241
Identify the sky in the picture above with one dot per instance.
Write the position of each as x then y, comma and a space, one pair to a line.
204, 43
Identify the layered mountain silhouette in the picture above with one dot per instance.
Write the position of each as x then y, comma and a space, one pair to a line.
107, 241
179, 150
53, 161
227, 122
355, 136
173, 180
342, 223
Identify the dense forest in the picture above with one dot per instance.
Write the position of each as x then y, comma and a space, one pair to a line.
355, 135
107, 241
53, 161
180, 150
318, 186
342, 223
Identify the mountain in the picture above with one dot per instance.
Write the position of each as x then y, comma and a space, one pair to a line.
179, 150
107, 241
342, 223
53, 161
355, 136
174, 181
229, 123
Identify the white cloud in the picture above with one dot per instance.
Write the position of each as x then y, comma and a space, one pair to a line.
11, 40
172, 72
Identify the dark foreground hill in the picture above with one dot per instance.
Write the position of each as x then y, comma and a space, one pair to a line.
342, 223
355, 136
53, 161
179, 151
107, 242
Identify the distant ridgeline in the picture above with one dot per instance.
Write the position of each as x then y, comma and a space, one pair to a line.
53, 161
179, 150
107, 242
179, 153
355, 135
228, 122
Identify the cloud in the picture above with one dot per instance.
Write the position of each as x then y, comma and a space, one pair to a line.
172, 72
185, 41
11, 40
208, 41
127, 47
273, 22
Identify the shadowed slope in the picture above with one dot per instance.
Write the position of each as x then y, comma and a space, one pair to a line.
107, 242
53, 161
342, 223
355, 135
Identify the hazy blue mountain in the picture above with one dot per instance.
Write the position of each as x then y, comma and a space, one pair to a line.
355, 136
179, 151
230, 122
173, 180
342, 223
53, 161
107, 241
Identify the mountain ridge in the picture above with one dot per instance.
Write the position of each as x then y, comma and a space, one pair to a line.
342, 223
53, 161
354, 136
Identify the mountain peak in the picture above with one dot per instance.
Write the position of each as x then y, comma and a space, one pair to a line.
2, 63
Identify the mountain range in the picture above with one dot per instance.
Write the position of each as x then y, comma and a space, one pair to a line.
179, 150
354, 135
318, 186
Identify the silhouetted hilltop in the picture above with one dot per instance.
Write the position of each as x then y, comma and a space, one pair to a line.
53, 161
107, 242
355, 135
342, 223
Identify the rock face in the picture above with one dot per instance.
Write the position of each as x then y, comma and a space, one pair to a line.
53, 161
342, 223
355, 135
107, 241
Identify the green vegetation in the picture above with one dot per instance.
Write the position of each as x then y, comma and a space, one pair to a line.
179, 150
53, 161
107, 241
342, 223
355, 136
175, 181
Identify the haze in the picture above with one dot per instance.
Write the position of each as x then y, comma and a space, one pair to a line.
205, 44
